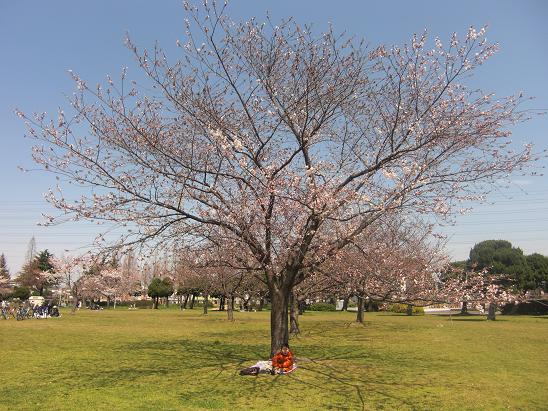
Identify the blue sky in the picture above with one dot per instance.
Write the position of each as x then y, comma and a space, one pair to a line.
40, 41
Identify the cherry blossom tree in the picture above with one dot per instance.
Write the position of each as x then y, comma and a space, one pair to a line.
92, 278
394, 260
289, 142
69, 269
479, 289
218, 267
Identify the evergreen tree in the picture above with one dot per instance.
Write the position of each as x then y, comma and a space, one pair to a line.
4, 272
44, 261
159, 288
538, 265
37, 274
500, 257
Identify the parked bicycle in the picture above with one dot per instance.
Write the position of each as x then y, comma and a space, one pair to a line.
5, 313
23, 313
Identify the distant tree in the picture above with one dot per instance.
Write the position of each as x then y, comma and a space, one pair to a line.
480, 289
44, 261
29, 276
4, 272
23, 293
4, 278
39, 273
500, 257
159, 288
31, 250
538, 272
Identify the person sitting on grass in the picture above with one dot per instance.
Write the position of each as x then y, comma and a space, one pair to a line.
282, 362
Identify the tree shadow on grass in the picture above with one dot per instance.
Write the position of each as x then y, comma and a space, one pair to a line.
199, 362
467, 319
325, 377
475, 319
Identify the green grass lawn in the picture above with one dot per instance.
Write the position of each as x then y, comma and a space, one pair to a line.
167, 359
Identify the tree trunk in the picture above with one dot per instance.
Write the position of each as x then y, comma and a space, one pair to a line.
155, 302
222, 303
359, 316
192, 301
409, 310
345, 303
294, 315
302, 306
464, 308
230, 307
185, 301
206, 302
279, 330
75, 306
491, 312
167, 301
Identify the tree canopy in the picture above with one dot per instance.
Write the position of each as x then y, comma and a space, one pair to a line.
500, 257
160, 288
38, 274
4, 271
283, 144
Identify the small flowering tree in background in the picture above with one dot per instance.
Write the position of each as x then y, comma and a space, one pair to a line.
111, 284
91, 278
393, 261
218, 267
291, 143
480, 289
69, 269
88, 286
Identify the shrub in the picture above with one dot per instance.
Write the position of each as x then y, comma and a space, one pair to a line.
526, 308
23, 293
321, 307
402, 309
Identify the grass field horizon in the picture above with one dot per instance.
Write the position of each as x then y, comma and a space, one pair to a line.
168, 359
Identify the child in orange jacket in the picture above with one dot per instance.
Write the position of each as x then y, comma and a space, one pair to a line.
283, 360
